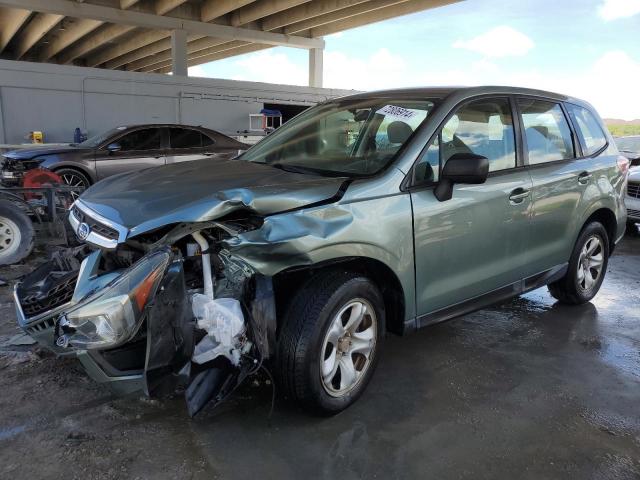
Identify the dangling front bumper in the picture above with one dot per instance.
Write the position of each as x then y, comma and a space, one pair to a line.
153, 357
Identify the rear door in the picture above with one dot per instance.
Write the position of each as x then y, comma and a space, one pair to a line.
138, 149
476, 242
559, 181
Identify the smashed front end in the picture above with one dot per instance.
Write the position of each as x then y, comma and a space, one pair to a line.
165, 311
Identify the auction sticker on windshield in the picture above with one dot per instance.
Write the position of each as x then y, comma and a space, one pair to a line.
396, 112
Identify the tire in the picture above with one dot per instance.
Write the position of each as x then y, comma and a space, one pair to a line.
576, 288
74, 178
16, 234
632, 228
310, 339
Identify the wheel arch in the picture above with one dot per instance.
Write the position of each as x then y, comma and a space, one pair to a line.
608, 219
290, 279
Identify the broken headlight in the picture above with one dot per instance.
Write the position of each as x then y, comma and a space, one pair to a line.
112, 316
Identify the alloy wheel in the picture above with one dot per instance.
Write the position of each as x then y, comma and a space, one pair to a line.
74, 180
348, 347
590, 263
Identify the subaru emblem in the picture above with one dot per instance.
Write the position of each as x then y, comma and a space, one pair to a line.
83, 231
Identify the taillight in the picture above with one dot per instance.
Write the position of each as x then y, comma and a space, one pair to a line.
623, 164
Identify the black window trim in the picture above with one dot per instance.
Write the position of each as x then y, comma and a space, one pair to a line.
408, 183
577, 127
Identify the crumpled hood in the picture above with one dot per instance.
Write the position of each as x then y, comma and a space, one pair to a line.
32, 152
202, 190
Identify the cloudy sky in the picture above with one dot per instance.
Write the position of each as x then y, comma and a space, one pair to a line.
586, 48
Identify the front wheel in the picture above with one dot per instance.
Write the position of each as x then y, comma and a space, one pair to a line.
74, 178
330, 341
587, 267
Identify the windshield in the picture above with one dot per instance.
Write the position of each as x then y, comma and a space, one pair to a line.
343, 137
628, 144
96, 140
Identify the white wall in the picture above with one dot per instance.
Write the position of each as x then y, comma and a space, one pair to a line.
56, 99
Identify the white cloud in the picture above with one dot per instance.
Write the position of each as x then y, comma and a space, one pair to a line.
502, 41
381, 70
267, 66
613, 9
197, 71
609, 83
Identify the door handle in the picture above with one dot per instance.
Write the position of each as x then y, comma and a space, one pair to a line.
518, 195
584, 178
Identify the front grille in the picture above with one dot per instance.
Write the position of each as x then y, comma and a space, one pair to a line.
59, 294
41, 326
97, 227
633, 189
633, 213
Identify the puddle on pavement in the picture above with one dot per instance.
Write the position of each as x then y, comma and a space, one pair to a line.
6, 433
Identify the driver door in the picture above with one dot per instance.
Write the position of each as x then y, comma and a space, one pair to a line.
138, 149
476, 242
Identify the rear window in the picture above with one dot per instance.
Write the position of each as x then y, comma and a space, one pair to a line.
187, 138
590, 133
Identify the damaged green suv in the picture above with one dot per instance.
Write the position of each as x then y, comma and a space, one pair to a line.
374, 213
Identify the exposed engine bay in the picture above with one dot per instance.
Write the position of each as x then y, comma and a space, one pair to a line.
170, 310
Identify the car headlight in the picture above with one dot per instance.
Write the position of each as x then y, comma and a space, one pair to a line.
112, 316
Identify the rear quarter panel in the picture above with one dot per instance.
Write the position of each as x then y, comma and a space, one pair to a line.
606, 190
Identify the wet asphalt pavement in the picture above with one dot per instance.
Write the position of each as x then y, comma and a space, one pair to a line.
528, 389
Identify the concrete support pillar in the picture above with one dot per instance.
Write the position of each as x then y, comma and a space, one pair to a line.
179, 52
315, 67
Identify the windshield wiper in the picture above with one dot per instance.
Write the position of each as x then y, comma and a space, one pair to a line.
314, 171
295, 168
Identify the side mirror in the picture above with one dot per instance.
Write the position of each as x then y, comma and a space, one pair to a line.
114, 147
461, 168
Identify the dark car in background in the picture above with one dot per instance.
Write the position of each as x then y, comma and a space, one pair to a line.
122, 149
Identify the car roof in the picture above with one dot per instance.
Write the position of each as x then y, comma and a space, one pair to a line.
161, 125
441, 92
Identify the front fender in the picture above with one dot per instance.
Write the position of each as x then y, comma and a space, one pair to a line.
380, 229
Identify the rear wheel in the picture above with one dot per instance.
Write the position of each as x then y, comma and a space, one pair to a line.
330, 341
587, 267
16, 234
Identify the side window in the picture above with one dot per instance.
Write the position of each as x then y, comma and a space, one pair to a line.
145, 139
207, 141
590, 132
482, 127
546, 131
184, 138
